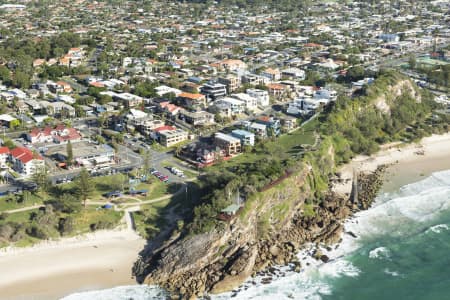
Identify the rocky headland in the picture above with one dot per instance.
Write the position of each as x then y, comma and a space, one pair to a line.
219, 261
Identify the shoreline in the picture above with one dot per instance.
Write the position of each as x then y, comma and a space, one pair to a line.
54, 269
406, 163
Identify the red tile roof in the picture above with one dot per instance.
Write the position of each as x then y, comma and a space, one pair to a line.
4, 150
192, 96
162, 128
24, 154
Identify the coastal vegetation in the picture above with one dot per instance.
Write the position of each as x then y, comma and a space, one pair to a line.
284, 187
55, 211
351, 126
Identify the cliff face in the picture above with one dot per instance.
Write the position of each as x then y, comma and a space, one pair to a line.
273, 225
269, 230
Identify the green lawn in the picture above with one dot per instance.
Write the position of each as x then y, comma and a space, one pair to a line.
90, 215
286, 145
19, 217
150, 219
13, 202
82, 223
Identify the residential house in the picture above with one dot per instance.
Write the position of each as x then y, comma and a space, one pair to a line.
4, 156
262, 97
232, 64
260, 130
254, 79
6, 120
251, 103
33, 106
25, 161
293, 73
289, 123
277, 90
272, 74
232, 82
59, 134
236, 106
170, 109
129, 100
192, 101
197, 118
247, 138
169, 138
38, 62
64, 87
213, 90
164, 90
230, 144
273, 125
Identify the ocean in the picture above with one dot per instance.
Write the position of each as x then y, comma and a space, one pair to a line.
401, 251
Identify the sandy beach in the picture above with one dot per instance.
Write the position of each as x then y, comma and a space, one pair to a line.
103, 259
407, 162
55, 269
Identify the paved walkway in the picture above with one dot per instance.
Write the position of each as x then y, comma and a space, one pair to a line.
125, 206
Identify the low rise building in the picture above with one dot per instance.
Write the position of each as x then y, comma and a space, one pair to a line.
273, 125
197, 118
169, 138
25, 161
247, 138
251, 103
192, 101
213, 90
228, 143
262, 97
232, 82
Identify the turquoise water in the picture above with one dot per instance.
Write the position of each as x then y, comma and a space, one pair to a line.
415, 266
402, 251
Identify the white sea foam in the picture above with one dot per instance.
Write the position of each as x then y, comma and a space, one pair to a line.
438, 228
380, 253
135, 292
419, 202
392, 273
391, 214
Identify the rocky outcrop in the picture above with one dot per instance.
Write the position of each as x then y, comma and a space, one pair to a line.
221, 260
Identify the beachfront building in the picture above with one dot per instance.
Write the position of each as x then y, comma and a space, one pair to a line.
169, 138
25, 161
273, 125
247, 138
228, 143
